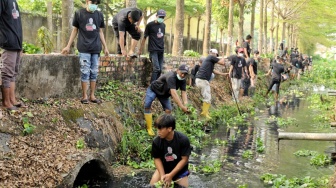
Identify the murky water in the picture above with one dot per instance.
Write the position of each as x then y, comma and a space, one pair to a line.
276, 159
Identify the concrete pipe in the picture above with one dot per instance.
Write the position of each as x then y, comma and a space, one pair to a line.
307, 136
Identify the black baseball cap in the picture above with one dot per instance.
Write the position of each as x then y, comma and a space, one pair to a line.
161, 13
184, 69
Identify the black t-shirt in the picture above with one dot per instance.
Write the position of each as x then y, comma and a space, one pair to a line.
168, 81
238, 63
10, 25
120, 20
285, 52
247, 46
277, 70
299, 64
293, 55
171, 152
294, 62
88, 25
155, 31
207, 68
254, 63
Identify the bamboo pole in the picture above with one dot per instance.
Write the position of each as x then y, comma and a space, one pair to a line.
307, 136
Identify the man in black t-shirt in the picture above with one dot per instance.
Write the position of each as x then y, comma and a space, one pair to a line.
252, 64
155, 32
237, 71
11, 42
203, 77
246, 46
164, 87
124, 21
88, 23
171, 150
276, 70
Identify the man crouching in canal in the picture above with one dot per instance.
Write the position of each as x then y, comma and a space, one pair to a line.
170, 150
164, 87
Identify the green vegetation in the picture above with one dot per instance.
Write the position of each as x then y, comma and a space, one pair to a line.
282, 122
30, 48
83, 186
260, 145
80, 144
191, 53
279, 181
305, 153
316, 159
247, 154
207, 166
44, 39
27, 127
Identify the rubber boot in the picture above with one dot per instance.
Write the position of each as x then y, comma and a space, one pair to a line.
149, 121
205, 110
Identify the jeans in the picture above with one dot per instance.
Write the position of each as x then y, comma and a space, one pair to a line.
150, 97
157, 61
88, 66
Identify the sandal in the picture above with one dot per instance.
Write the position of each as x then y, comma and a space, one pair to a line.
98, 101
133, 56
85, 101
20, 105
12, 109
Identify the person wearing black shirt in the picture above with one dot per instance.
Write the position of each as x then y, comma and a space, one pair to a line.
246, 46
236, 73
11, 42
203, 77
88, 23
276, 71
171, 150
155, 32
124, 21
194, 70
252, 64
164, 87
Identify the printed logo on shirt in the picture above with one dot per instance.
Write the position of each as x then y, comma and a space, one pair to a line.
90, 26
240, 64
159, 34
15, 13
170, 156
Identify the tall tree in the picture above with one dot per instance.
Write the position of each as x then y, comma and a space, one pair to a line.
260, 37
265, 27
207, 37
179, 28
131, 3
272, 26
241, 4
230, 29
67, 12
253, 3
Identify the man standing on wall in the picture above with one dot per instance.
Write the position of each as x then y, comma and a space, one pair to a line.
246, 46
155, 31
203, 77
11, 42
124, 21
164, 87
88, 23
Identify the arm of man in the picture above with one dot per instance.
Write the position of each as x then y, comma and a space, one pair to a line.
142, 45
177, 100
137, 26
245, 53
168, 177
122, 42
221, 61
184, 97
71, 39
220, 73
252, 74
159, 167
102, 39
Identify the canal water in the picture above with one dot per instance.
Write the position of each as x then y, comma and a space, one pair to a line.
277, 158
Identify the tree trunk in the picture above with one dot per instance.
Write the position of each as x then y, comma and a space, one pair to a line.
188, 33
131, 3
197, 33
260, 38
288, 35
67, 13
50, 20
230, 29
277, 35
179, 28
171, 36
272, 28
221, 46
106, 17
254, 2
241, 23
207, 39
266, 50
283, 31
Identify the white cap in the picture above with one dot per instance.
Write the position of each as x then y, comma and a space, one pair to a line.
213, 51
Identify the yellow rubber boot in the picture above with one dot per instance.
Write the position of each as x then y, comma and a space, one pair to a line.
205, 110
149, 121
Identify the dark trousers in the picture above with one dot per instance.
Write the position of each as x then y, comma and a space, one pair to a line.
156, 58
274, 81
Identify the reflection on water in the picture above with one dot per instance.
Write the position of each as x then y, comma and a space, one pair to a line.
238, 171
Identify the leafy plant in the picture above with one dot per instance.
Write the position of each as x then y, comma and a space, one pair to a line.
320, 160
83, 186
305, 153
27, 127
279, 180
161, 184
191, 53
80, 144
44, 38
30, 48
260, 145
247, 154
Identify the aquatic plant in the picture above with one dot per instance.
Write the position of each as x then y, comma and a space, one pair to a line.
305, 153
260, 145
247, 154
279, 180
